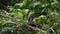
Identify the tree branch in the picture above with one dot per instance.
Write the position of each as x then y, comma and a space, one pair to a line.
35, 28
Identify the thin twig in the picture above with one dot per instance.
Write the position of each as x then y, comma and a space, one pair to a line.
52, 30
4, 6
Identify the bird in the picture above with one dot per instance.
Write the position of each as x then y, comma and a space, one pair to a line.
30, 16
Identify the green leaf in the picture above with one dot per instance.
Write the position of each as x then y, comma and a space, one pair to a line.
19, 15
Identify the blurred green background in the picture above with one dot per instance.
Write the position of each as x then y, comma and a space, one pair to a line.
13, 13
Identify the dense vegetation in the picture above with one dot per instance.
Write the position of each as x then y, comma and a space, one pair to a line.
14, 16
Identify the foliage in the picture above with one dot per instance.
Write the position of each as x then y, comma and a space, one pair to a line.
47, 13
